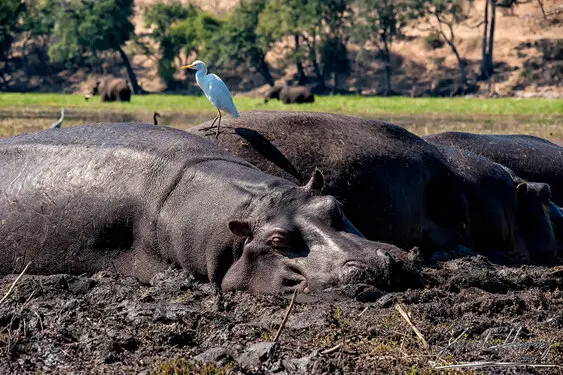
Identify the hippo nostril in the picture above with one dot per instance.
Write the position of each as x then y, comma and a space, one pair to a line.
289, 282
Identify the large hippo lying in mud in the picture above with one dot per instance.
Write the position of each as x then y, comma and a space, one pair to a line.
394, 186
505, 212
138, 198
111, 90
531, 158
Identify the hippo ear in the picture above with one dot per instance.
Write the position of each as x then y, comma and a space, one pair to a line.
521, 190
545, 194
316, 182
241, 228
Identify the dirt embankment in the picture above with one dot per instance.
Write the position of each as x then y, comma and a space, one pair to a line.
470, 310
528, 56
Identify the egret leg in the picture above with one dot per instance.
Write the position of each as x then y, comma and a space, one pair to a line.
210, 127
218, 125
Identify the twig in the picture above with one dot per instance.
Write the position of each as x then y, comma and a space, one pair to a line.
408, 320
453, 342
289, 308
363, 311
492, 364
333, 349
14, 283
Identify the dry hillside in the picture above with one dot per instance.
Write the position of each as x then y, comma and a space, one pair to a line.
528, 59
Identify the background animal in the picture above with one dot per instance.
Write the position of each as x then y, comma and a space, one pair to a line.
137, 198
531, 158
505, 212
394, 186
290, 94
111, 89
59, 122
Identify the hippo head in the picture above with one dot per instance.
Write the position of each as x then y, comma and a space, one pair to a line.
534, 217
273, 93
302, 240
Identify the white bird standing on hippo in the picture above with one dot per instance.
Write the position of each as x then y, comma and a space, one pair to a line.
215, 90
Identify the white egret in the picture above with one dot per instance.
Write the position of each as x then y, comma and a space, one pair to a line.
59, 122
215, 90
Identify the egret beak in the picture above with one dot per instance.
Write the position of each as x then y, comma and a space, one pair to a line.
190, 66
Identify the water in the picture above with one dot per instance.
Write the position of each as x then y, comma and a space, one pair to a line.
17, 121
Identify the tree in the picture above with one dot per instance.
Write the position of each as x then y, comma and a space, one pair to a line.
446, 14
239, 41
381, 22
305, 22
95, 26
179, 30
10, 11
489, 21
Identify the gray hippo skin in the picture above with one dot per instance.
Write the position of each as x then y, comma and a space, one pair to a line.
505, 212
138, 198
531, 158
290, 94
394, 186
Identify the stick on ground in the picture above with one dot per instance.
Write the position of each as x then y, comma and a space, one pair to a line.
289, 308
408, 320
14, 283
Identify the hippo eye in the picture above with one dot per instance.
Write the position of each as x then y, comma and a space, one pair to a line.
278, 240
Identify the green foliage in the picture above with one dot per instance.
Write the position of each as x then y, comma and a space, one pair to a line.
334, 56
39, 18
94, 26
10, 12
306, 21
239, 42
380, 22
179, 29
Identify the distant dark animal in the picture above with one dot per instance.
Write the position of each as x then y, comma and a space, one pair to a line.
531, 158
137, 198
394, 186
505, 212
155, 118
59, 122
290, 94
111, 90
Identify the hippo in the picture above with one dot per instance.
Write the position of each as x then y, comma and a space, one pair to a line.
111, 89
531, 158
505, 212
394, 186
290, 94
138, 198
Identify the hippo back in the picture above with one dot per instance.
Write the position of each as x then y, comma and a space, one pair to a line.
532, 158
394, 186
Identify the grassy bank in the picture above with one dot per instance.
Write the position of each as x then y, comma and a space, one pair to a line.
339, 104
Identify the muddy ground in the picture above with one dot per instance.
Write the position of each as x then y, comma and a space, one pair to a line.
470, 310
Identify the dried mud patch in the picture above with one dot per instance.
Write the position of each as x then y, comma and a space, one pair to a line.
469, 310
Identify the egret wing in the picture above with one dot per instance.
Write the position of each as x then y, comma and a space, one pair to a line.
220, 95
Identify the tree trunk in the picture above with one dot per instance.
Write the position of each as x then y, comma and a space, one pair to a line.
387, 61
298, 63
132, 77
484, 70
540, 2
264, 70
490, 68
